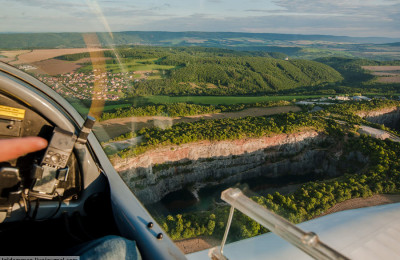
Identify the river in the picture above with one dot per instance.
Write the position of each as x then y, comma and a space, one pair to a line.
206, 198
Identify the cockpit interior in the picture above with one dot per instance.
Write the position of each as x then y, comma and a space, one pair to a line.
57, 198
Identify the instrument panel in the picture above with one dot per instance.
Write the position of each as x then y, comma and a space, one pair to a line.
50, 174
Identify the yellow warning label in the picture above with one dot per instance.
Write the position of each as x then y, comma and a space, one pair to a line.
12, 112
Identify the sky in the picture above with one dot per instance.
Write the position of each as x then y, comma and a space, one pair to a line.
329, 17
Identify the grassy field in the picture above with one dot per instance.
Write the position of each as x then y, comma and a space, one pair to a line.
205, 100
312, 53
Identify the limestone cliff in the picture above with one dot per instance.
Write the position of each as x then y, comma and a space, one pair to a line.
155, 173
389, 117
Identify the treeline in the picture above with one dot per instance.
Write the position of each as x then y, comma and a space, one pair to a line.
184, 109
309, 201
354, 106
73, 57
229, 129
171, 110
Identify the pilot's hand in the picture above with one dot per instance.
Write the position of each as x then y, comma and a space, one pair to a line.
14, 148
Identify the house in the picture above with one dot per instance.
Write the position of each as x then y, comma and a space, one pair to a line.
342, 98
360, 98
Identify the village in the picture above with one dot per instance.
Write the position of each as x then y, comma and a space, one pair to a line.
109, 86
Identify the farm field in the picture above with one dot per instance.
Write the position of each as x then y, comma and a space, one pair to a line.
44, 54
54, 67
9, 56
385, 74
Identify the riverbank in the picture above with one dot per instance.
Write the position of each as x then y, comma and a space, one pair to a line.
112, 128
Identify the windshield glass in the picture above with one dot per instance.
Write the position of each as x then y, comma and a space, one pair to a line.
296, 103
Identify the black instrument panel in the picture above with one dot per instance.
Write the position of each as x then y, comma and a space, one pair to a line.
18, 119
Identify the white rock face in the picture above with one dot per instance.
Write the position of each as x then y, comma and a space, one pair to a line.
389, 117
155, 173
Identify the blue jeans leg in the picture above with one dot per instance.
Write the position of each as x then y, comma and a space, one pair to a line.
107, 248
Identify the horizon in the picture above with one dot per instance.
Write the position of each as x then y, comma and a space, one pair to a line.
155, 31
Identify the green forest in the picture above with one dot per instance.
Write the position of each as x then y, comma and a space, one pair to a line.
233, 75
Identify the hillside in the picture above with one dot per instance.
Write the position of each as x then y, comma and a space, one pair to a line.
235, 76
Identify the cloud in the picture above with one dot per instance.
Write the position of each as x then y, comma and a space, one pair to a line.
340, 17
54, 4
161, 7
340, 7
296, 24
365, 9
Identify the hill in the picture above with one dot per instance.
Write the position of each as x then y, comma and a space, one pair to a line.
216, 39
213, 71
